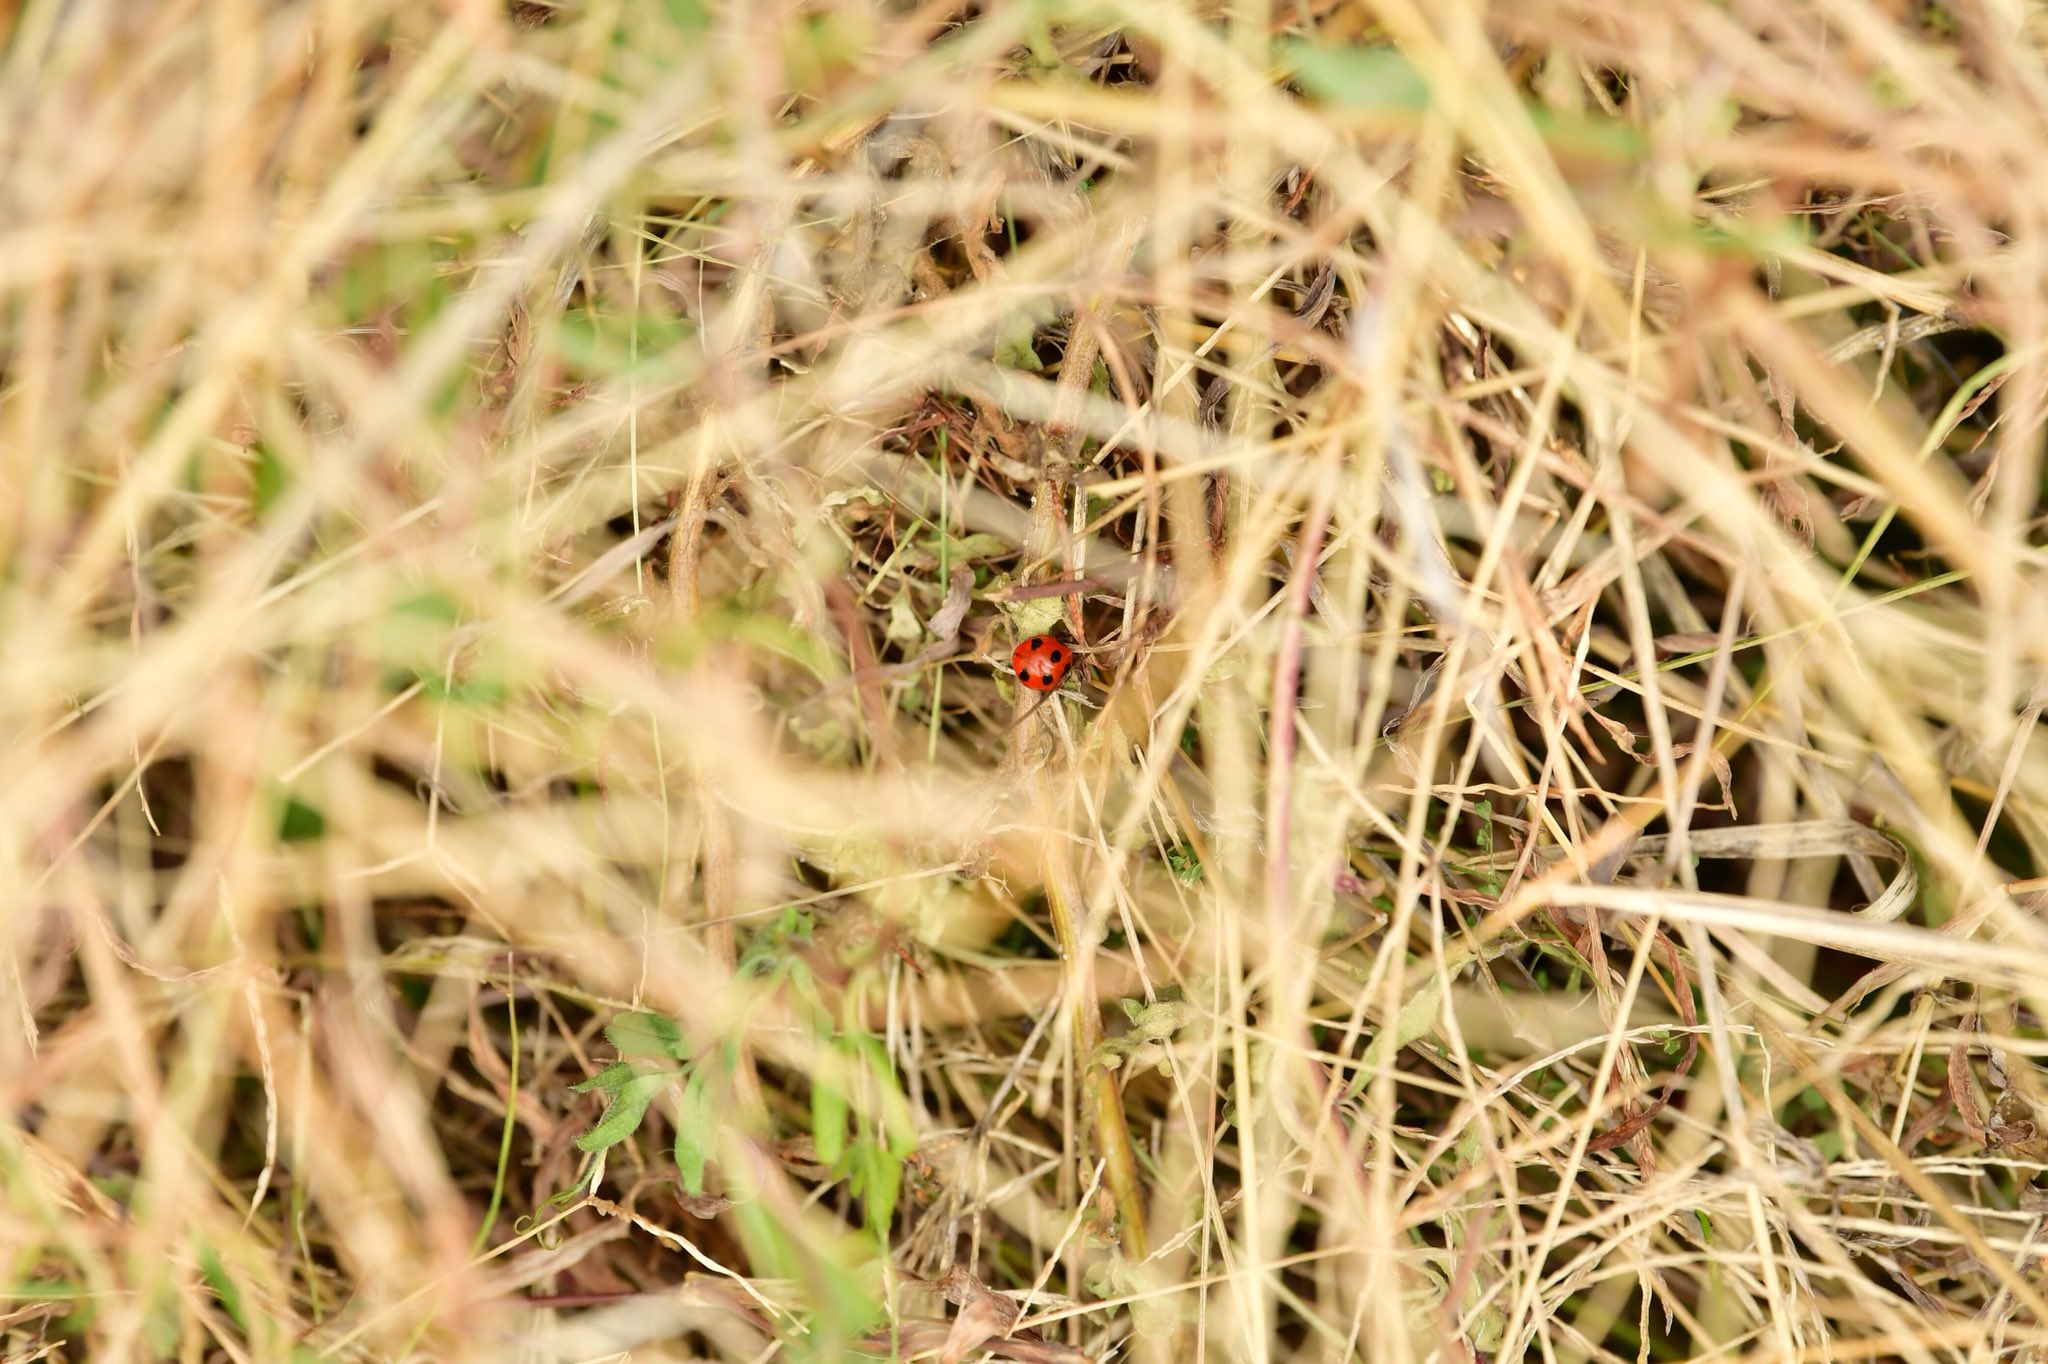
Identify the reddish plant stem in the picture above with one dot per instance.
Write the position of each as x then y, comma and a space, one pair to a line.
1286, 688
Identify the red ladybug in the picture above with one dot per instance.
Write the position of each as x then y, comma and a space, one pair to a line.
1041, 662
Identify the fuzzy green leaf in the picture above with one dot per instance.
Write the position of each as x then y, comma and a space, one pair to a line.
1014, 349
611, 1079
696, 1130
645, 1034
623, 1115
1154, 1022
1033, 616
1417, 1018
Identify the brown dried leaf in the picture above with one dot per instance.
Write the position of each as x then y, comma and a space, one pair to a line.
977, 1321
963, 1290
1962, 1087
703, 1207
945, 622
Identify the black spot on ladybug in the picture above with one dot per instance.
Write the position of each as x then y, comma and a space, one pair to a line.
1056, 655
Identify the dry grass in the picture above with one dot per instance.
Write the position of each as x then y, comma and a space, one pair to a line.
515, 524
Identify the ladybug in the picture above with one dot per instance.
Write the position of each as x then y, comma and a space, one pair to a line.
1041, 662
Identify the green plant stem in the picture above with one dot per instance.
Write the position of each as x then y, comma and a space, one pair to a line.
483, 1233
1103, 1100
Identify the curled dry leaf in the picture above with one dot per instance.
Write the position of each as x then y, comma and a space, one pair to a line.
1687, 642
1808, 838
965, 1291
2002, 1128
977, 1321
945, 622
1625, 739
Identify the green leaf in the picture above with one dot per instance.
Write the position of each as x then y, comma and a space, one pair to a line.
835, 1277
877, 1180
1466, 1150
1013, 342
688, 15
766, 950
615, 345
904, 626
646, 1034
1154, 1313
1033, 616
428, 605
622, 1117
828, 1119
1489, 1327
299, 822
463, 691
963, 549
216, 1275
899, 1124
1358, 77
1110, 1052
611, 1079
1156, 1022
268, 478
696, 1130
1417, 1017
1577, 134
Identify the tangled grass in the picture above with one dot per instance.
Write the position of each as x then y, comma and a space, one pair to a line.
520, 841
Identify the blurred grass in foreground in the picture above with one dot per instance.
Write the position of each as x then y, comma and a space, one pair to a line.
520, 843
